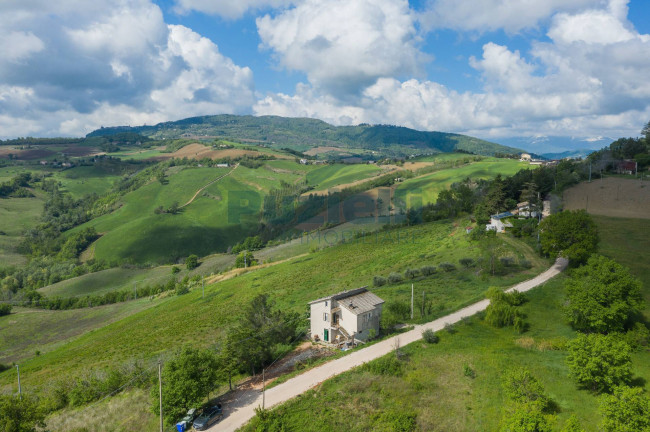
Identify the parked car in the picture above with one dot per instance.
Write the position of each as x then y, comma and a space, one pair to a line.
208, 417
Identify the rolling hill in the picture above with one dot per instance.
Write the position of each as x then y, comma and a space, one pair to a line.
303, 134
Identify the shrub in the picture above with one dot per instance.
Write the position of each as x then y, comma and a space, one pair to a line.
5, 309
638, 337
388, 365
175, 270
395, 278
507, 261
411, 273
467, 262
192, 262
430, 336
445, 266
427, 270
397, 421
379, 281
522, 387
182, 289
469, 372
524, 263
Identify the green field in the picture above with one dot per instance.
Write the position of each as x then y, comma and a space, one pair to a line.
16, 216
191, 319
424, 189
328, 176
84, 180
433, 385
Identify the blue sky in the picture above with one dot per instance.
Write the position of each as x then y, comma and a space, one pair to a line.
547, 76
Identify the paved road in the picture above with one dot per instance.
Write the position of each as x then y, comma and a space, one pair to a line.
237, 416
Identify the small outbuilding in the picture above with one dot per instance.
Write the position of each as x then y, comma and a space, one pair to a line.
499, 222
345, 317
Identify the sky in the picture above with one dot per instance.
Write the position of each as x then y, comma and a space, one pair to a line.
549, 75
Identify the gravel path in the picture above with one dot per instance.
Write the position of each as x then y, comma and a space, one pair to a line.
237, 416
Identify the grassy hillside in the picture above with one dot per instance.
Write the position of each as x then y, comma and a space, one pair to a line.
17, 215
425, 188
434, 387
303, 134
327, 176
190, 319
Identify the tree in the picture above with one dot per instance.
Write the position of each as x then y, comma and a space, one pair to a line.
572, 425
527, 418
522, 387
187, 379
571, 234
18, 415
602, 296
5, 309
627, 410
245, 259
646, 132
192, 262
599, 362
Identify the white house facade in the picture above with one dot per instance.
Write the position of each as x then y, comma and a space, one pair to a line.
346, 316
499, 222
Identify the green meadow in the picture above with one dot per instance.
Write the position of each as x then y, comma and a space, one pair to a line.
424, 189
16, 216
327, 176
171, 322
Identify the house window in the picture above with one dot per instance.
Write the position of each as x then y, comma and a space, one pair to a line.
325, 316
325, 302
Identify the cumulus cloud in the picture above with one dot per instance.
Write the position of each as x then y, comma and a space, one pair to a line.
75, 65
230, 9
344, 46
561, 87
489, 15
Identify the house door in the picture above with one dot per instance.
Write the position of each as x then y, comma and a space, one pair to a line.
326, 335
335, 319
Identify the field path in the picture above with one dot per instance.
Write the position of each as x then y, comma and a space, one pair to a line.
240, 412
203, 188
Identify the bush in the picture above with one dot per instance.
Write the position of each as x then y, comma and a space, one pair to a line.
388, 365
445, 266
467, 262
507, 261
379, 281
192, 262
5, 309
395, 278
524, 263
427, 270
469, 372
181, 289
411, 273
175, 270
430, 336
522, 387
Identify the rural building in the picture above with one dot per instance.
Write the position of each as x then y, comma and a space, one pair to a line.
525, 210
525, 157
627, 166
499, 223
303, 161
345, 317
222, 165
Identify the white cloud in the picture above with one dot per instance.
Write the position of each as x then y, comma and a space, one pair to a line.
231, 9
489, 15
344, 46
76, 66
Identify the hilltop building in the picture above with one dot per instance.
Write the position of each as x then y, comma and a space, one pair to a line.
499, 223
345, 317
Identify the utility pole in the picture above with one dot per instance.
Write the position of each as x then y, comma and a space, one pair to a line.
411, 301
589, 171
135, 290
263, 389
203, 286
20, 390
423, 303
160, 393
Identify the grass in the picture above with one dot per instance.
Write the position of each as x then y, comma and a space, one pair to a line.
433, 385
84, 180
328, 176
27, 330
425, 189
17, 215
191, 319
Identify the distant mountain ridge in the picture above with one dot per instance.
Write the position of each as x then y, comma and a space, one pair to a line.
304, 133
580, 153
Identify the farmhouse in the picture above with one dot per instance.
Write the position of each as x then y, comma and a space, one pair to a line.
499, 223
525, 157
525, 210
346, 316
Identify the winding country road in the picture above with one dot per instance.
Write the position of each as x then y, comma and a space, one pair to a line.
237, 416
209, 184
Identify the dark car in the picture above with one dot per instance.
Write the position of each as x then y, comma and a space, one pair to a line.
208, 417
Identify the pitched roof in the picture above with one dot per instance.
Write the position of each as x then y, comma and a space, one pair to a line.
357, 301
502, 215
360, 303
